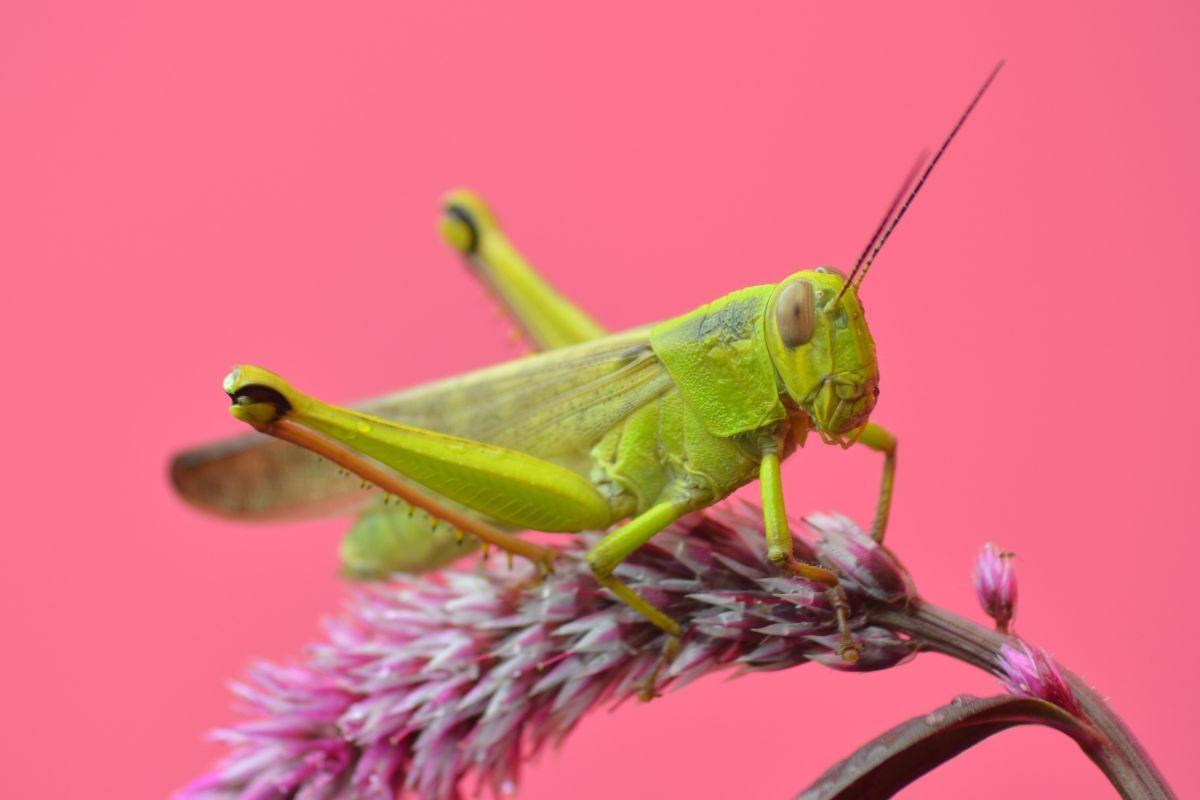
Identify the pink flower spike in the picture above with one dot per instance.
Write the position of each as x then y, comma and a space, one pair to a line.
1030, 672
431, 684
996, 585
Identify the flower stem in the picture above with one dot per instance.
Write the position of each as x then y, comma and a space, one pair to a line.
1114, 750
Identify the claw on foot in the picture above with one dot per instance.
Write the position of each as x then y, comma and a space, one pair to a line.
648, 689
545, 564
545, 568
847, 649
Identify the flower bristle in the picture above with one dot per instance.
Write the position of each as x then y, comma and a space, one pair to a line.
427, 682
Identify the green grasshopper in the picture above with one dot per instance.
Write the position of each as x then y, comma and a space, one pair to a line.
637, 428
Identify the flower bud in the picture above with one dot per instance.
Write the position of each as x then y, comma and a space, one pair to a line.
1029, 671
996, 585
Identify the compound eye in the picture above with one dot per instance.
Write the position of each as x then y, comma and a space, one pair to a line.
794, 313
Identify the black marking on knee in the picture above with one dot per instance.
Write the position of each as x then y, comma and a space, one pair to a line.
256, 393
463, 216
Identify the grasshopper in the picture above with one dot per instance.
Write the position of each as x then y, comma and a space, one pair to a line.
634, 429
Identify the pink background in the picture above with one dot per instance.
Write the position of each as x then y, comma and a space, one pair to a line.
187, 186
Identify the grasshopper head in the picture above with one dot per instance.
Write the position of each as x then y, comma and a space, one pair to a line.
822, 350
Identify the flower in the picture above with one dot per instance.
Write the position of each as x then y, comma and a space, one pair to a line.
996, 585
859, 559
425, 682
1028, 670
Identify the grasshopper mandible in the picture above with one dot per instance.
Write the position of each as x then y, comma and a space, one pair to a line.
638, 428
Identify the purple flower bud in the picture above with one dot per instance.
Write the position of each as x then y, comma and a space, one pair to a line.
996, 585
1029, 671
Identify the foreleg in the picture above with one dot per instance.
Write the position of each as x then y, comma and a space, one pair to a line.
884, 441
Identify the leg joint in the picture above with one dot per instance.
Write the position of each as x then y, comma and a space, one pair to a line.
599, 565
461, 223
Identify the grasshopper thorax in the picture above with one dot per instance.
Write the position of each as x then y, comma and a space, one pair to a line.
822, 350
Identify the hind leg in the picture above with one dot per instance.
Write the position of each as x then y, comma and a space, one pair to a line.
546, 318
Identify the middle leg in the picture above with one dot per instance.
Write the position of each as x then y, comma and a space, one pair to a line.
615, 547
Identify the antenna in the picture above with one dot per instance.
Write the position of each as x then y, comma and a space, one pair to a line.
924, 176
904, 187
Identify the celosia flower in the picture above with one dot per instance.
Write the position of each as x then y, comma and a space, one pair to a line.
428, 681
1028, 670
859, 559
996, 585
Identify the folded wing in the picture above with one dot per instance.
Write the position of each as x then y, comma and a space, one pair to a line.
553, 405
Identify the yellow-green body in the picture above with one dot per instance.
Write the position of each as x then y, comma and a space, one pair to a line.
643, 426
679, 409
637, 428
